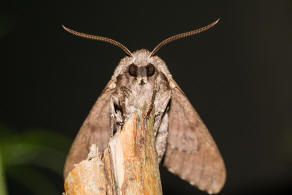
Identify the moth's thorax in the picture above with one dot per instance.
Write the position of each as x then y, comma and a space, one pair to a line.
137, 94
138, 86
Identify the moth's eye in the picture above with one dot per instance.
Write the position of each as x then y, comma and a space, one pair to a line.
150, 70
133, 70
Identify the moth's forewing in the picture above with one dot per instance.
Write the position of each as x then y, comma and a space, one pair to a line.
95, 129
191, 151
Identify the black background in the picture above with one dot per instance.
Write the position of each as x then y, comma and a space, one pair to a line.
237, 75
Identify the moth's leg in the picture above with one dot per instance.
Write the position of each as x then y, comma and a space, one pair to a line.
161, 137
124, 93
113, 116
161, 107
151, 104
116, 115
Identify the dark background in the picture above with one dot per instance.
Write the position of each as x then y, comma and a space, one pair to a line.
237, 75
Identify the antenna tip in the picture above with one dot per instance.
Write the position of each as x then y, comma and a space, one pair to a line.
216, 21
68, 29
64, 27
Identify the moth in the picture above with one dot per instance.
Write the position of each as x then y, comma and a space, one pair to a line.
183, 142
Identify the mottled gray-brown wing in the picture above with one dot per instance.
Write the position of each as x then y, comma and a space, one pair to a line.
191, 151
94, 130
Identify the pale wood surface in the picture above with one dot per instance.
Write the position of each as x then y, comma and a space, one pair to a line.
128, 166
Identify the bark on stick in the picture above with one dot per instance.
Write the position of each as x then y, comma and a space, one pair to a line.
128, 166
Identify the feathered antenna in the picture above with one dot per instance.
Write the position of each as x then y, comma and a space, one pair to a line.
98, 38
182, 35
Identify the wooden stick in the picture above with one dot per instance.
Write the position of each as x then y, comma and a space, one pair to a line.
88, 177
129, 165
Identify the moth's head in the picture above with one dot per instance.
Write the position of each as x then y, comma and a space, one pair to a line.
141, 66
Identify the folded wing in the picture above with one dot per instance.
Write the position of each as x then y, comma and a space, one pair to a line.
95, 129
191, 151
